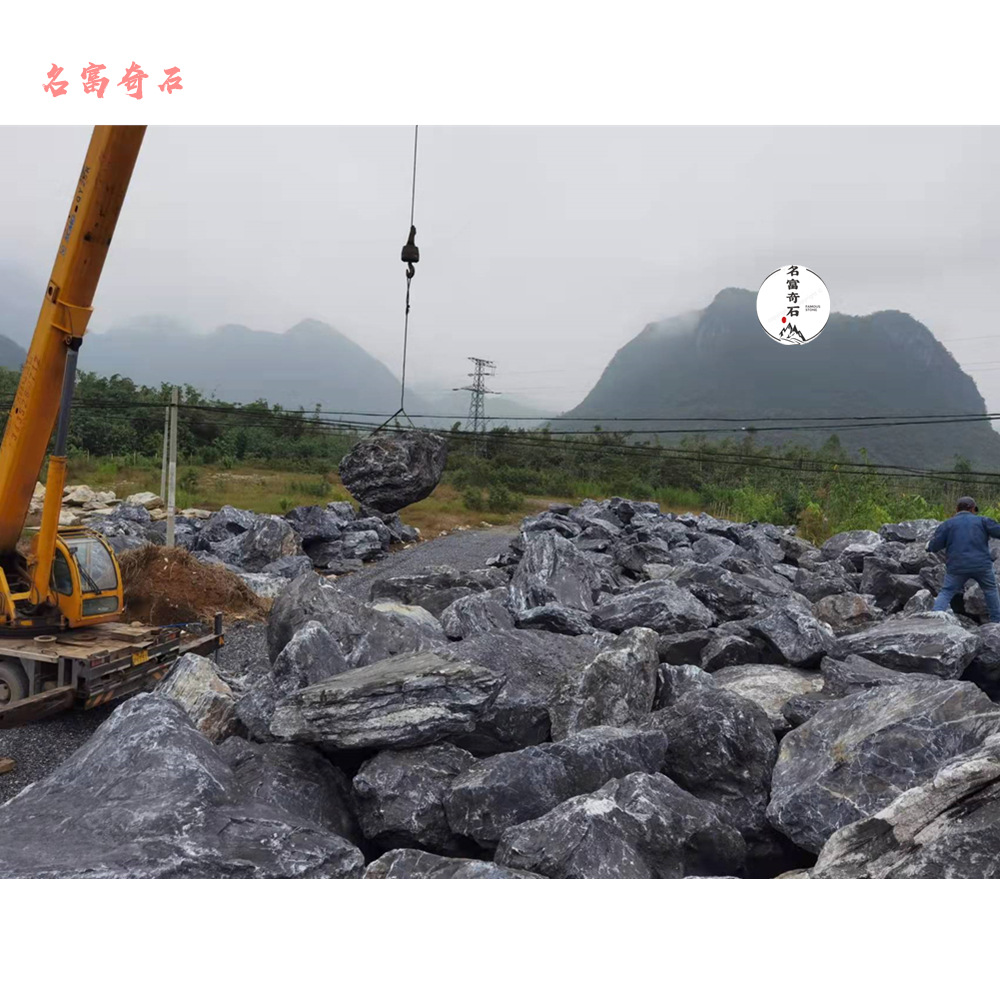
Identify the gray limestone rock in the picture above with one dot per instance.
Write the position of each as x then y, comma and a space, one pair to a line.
640, 826
511, 788
556, 618
660, 605
393, 470
721, 748
149, 797
408, 700
858, 753
673, 681
930, 643
400, 795
485, 612
437, 587
769, 686
848, 612
615, 688
946, 827
411, 863
311, 656
553, 571
797, 636
209, 701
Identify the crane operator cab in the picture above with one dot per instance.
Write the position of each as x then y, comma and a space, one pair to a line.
85, 586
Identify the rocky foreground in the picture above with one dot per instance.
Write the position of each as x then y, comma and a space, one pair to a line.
622, 694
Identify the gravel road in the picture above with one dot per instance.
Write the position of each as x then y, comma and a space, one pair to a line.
42, 746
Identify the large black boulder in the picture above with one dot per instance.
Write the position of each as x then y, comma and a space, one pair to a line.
437, 586
640, 826
400, 795
858, 753
393, 470
149, 797
510, 788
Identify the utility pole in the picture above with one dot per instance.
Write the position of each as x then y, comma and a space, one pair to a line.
172, 467
476, 422
163, 465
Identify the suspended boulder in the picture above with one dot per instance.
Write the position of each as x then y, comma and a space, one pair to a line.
391, 471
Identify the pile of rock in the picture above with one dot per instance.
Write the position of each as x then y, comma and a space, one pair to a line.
623, 694
264, 549
82, 505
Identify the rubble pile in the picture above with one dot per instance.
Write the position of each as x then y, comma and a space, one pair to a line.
265, 550
622, 694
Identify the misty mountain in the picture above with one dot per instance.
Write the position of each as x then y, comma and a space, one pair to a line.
718, 362
310, 363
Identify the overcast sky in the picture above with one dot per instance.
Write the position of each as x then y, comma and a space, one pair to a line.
543, 249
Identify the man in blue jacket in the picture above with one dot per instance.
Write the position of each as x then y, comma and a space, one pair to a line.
966, 537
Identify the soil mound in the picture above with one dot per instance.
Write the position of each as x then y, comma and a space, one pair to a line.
168, 586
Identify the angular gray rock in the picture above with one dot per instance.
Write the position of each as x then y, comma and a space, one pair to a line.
411, 863
556, 618
400, 795
616, 688
511, 788
721, 748
673, 681
769, 686
408, 700
359, 545
485, 612
687, 647
909, 531
536, 666
297, 780
437, 587
288, 566
660, 605
858, 753
854, 673
311, 656
364, 634
798, 637
930, 643
196, 686
317, 524
729, 595
727, 651
945, 827
856, 544
640, 826
553, 571
149, 797
825, 580
847, 612
393, 470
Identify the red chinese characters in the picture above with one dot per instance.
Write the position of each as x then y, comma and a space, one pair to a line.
132, 81
55, 86
92, 79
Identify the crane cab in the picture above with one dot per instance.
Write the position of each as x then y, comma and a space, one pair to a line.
85, 586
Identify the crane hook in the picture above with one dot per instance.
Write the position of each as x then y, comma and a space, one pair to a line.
411, 253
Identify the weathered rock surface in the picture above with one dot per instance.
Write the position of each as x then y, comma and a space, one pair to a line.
727, 651
536, 666
400, 795
553, 571
556, 618
854, 673
149, 797
411, 863
485, 612
930, 643
295, 779
673, 681
721, 748
795, 635
391, 471
437, 587
209, 701
616, 688
730, 596
858, 753
769, 686
311, 656
640, 826
660, 605
847, 612
407, 700
945, 827
511, 788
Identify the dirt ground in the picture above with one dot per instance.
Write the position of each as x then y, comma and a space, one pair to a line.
169, 586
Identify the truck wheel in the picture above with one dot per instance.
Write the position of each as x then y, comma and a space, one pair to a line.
13, 684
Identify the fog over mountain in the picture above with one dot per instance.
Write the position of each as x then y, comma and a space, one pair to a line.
718, 362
